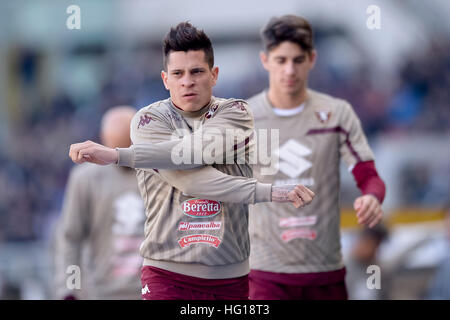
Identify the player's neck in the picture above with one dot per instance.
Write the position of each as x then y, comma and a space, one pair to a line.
286, 101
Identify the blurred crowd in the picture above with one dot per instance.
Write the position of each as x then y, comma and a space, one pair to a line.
416, 100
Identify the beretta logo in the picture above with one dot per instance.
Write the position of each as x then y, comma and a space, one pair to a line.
201, 208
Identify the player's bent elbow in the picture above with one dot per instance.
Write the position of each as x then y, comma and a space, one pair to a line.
186, 188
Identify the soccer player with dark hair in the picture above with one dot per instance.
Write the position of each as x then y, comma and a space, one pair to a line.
196, 234
296, 252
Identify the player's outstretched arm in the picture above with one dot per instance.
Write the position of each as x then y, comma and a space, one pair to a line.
93, 152
210, 183
89, 151
156, 147
227, 134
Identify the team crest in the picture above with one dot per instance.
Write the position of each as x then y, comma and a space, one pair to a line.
323, 115
211, 111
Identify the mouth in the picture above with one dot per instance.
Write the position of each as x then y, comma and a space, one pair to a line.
290, 82
187, 95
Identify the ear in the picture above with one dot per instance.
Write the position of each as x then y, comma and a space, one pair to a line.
215, 73
264, 57
313, 58
164, 79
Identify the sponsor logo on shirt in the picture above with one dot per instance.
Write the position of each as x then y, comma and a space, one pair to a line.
129, 215
201, 208
291, 234
187, 226
292, 155
145, 119
199, 238
173, 116
145, 290
297, 221
323, 115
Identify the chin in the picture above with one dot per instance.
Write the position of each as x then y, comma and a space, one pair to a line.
292, 91
191, 107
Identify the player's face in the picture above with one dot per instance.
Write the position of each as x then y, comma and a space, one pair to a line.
288, 66
189, 79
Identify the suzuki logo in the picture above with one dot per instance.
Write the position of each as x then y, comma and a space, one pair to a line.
291, 156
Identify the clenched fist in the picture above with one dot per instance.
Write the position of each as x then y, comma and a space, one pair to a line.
299, 195
368, 210
89, 151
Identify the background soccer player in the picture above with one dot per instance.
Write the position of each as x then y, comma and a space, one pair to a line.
296, 253
101, 226
439, 287
197, 241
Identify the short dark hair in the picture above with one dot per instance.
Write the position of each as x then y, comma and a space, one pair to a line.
185, 37
288, 28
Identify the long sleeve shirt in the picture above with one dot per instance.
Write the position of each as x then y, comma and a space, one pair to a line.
311, 145
197, 214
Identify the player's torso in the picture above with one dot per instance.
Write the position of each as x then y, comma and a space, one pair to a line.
307, 152
180, 227
304, 147
116, 229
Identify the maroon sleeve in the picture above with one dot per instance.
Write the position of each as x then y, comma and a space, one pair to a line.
368, 180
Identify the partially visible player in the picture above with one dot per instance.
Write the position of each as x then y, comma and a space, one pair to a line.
439, 286
101, 226
197, 241
296, 252
364, 253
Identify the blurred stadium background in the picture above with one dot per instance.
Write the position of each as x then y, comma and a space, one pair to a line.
55, 84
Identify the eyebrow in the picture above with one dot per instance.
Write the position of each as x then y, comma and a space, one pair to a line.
302, 56
191, 69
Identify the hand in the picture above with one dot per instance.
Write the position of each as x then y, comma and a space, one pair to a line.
89, 151
299, 195
368, 210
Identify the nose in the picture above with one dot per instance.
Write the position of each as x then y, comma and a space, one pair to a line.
289, 68
187, 81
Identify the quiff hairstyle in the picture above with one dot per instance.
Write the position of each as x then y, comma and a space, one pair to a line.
185, 37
